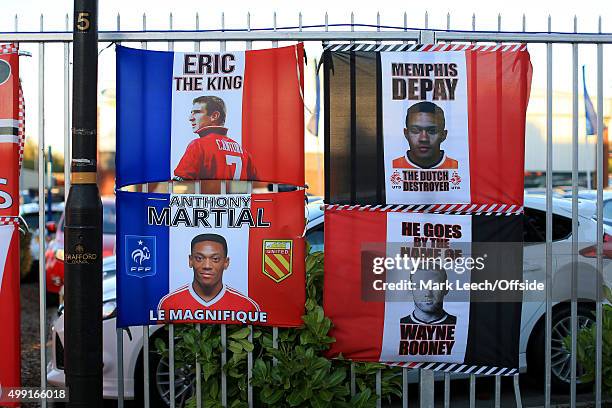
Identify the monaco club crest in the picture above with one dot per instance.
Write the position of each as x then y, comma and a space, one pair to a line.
277, 259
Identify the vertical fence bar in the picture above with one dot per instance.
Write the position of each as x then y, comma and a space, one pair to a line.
574, 283
274, 43
275, 188
145, 328
426, 388
223, 190
405, 26
197, 190
249, 44
250, 338
600, 232
120, 379
404, 387
42, 290
250, 367
549, 177
119, 330
143, 44
497, 391
426, 377
378, 25
378, 388
446, 390
497, 400
171, 328
171, 358
517, 391
353, 380
472, 391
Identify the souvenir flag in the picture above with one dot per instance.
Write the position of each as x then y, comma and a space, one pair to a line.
420, 286
424, 124
210, 115
210, 258
11, 152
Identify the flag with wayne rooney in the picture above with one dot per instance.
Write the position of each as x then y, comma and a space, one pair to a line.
425, 124
433, 308
210, 115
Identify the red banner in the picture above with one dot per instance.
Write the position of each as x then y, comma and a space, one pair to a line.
11, 151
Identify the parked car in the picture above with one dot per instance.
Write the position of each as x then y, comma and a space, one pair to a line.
531, 357
29, 212
54, 255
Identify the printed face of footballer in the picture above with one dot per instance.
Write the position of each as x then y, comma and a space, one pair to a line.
200, 119
424, 134
429, 299
208, 261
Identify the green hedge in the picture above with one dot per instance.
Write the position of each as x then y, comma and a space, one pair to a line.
302, 376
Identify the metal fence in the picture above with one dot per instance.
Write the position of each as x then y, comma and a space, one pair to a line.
353, 32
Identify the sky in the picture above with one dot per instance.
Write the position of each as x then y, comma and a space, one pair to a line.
313, 12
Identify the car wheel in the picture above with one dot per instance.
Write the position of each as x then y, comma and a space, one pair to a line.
560, 356
159, 380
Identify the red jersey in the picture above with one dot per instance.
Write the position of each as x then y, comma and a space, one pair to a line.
186, 299
215, 156
444, 163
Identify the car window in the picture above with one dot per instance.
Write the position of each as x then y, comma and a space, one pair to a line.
109, 220
315, 238
32, 219
534, 226
607, 210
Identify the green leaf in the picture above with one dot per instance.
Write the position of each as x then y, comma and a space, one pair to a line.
240, 334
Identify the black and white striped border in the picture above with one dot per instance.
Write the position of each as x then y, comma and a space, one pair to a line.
459, 368
459, 209
426, 47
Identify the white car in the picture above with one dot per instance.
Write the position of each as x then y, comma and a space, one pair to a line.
532, 322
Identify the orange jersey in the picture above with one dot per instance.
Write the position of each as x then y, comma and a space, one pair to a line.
185, 298
444, 163
215, 156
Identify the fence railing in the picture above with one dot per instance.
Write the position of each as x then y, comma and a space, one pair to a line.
353, 32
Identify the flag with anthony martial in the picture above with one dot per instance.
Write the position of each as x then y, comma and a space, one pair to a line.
210, 115
429, 289
11, 152
424, 124
231, 259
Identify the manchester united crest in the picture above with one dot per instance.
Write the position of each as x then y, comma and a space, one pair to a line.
277, 259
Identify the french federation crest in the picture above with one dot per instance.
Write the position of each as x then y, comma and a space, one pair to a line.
140, 255
277, 259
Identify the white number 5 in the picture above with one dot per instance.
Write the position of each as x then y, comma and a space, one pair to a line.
237, 161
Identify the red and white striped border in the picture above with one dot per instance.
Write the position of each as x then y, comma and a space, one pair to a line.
459, 368
9, 221
21, 124
462, 209
427, 47
9, 48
